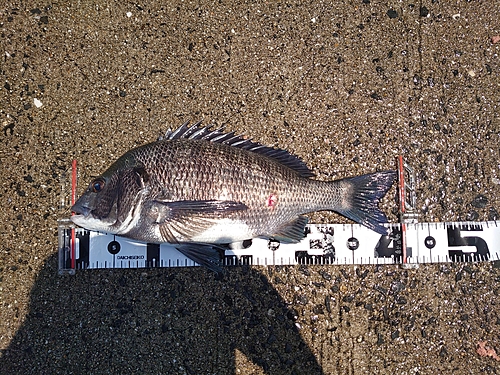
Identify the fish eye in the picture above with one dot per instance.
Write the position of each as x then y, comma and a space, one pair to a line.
97, 185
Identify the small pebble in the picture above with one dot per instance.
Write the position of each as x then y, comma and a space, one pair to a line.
325, 275
380, 339
443, 352
493, 214
472, 215
397, 286
328, 304
392, 13
479, 201
424, 12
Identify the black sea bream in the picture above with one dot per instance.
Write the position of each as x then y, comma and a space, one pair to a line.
198, 188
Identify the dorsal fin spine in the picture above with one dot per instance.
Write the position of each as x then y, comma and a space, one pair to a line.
196, 132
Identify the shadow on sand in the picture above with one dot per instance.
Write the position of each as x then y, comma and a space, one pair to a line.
163, 321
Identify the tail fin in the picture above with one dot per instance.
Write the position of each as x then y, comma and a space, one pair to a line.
365, 193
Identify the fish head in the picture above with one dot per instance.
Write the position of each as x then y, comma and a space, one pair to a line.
111, 199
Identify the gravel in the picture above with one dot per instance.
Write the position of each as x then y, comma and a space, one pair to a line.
347, 87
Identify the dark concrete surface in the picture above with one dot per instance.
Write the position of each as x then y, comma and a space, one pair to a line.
346, 86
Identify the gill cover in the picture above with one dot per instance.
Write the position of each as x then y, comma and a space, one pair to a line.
110, 198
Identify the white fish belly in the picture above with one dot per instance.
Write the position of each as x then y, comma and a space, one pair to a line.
225, 231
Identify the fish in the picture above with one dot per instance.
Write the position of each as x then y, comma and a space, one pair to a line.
200, 188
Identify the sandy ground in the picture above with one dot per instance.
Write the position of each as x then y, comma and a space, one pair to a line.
347, 87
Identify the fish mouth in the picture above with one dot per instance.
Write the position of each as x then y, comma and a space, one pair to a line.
81, 210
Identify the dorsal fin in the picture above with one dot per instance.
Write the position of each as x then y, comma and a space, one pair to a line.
205, 133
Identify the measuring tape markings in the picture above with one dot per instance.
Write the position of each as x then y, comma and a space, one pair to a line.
323, 244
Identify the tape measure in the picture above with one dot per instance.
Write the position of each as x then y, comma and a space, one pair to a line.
409, 243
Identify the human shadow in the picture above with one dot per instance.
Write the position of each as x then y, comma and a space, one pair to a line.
161, 321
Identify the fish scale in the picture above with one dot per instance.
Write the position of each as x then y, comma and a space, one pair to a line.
203, 180
198, 188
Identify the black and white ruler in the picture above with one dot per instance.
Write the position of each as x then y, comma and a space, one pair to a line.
323, 244
409, 242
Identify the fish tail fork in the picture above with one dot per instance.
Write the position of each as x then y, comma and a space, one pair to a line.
362, 195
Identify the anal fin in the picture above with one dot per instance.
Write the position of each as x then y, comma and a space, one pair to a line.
292, 231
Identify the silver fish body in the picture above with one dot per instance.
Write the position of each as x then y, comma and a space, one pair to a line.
199, 187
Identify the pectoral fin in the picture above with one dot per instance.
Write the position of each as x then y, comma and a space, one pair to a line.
204, 206
181, 220
163, 211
